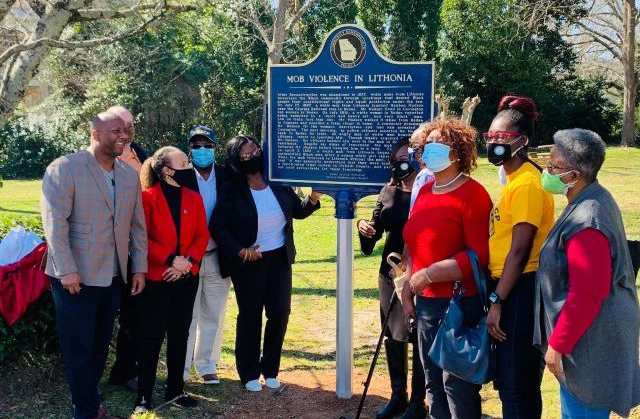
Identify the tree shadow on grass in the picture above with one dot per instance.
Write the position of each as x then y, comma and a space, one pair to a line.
19, 211
328, 292
377, 253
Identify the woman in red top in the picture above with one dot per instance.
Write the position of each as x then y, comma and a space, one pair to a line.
177, 236
450, 215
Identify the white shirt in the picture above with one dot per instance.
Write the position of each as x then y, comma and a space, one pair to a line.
209, 195
422, 178
271, 220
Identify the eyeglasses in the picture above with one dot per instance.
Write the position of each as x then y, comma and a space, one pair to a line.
199, 146
491, 137
248, 156
551, 168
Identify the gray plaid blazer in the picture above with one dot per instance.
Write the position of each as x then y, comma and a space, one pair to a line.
78, 218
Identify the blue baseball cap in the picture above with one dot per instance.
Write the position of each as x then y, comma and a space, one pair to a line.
203, 131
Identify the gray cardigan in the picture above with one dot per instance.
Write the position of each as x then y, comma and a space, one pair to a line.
603, 371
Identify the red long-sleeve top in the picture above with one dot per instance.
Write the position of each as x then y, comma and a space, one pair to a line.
589, 264
442, 226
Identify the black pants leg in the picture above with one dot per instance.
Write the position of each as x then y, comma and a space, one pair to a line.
164, 307
448, 396
249, 285
85, 326
519, 365
183, 296
152, 313
124, 367
277, 310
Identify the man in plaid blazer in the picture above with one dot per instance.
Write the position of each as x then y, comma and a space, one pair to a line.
94, 222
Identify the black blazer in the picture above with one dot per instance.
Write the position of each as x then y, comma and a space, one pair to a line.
221, 174
234, 224
389, 215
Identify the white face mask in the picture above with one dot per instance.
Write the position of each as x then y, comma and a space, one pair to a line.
502, 175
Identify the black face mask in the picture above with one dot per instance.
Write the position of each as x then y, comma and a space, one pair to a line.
401, 170
251, 166
498, 153
185, 177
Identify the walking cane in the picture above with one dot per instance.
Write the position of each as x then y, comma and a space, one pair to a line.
398, 282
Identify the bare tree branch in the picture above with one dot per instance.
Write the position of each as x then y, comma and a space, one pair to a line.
50, 42
299, 14
87, 15
252, 19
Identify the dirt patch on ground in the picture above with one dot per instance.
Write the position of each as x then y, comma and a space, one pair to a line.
306, 395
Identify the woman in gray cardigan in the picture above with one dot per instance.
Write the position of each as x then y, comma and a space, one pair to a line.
587, 313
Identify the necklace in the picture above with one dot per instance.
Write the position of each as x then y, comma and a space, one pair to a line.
449, 183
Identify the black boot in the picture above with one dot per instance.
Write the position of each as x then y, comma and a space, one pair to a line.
397, 363
416, 410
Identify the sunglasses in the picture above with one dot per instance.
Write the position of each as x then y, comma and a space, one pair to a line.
198, 146
490, 137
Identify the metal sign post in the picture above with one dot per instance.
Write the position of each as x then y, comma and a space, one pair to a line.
331, 123
345, 213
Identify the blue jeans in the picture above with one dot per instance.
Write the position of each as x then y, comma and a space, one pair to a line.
572, 408
519, 365
85, 326
449, 396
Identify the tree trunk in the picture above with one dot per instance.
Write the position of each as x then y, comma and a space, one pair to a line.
630, 75
20, 71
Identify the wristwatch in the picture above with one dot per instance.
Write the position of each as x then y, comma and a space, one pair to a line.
495, 298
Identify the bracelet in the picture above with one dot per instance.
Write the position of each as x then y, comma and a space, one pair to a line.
246, 255
426, 274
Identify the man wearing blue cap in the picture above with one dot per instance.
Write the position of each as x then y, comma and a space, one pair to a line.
205, 335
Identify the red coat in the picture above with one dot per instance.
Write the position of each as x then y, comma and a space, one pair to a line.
161, 231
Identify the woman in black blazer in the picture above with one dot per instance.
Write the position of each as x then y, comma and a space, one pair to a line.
390, 215
253, 227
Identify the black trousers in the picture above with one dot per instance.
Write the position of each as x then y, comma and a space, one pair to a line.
519, 365
262, 285
164, 307
124, 368
85, 326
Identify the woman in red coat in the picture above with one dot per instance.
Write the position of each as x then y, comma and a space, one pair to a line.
177, 236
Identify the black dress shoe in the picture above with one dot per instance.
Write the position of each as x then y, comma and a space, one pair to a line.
186, 401
415, 410
396, 405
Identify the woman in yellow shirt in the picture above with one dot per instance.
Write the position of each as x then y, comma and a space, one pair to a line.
520, 222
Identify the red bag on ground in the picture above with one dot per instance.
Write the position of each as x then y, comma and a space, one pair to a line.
22, 283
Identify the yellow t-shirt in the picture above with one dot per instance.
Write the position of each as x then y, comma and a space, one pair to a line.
523, 201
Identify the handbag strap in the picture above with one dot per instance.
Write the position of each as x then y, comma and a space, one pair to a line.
478, 276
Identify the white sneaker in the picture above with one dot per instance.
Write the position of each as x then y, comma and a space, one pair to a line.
272, 383
253, 385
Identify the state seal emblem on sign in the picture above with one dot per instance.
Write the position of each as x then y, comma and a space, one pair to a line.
348, 48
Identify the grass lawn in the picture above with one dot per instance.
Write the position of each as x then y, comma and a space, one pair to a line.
309, 352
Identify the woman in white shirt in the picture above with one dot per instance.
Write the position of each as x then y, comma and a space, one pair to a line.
253, 226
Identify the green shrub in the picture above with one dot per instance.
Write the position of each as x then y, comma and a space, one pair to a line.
35, 333
29, 143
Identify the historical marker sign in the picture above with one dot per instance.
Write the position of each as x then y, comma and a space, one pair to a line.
332, 121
